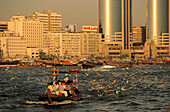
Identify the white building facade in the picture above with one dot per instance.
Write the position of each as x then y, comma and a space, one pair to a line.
12, 46
30, 30
51, 21
73, 44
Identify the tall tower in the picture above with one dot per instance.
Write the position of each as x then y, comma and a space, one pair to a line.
126, 22
109, 16
157, 18
115, 16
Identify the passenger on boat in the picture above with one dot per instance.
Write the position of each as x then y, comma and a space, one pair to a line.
68, 88
76, 90
61, 88
66, 78
50, 88
71, 89
56, 88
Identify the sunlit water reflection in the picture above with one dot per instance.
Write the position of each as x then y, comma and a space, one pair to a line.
140, 88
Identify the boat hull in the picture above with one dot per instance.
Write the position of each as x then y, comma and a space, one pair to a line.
57, 98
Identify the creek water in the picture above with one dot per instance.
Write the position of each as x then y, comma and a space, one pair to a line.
143, 88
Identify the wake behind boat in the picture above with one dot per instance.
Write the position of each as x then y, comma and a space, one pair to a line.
66, 102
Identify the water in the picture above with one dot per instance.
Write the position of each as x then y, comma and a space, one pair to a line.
143, 88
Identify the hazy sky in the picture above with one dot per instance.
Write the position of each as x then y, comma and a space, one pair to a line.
80, 12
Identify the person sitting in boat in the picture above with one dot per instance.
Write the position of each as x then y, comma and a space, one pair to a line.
76, 90
70, 87
66, 78
61, 89
56, 88
49, 88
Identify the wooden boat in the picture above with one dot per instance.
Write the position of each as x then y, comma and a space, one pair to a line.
56, 98
85, 66
50, 98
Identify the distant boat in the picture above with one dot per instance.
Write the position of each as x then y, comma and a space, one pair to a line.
47, 65
167, 61
85, 66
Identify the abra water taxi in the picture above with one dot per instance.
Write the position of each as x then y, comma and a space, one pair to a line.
60, 92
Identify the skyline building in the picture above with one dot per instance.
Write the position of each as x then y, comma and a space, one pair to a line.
139, 35
157, 18
109, 16
30, 30
12, 46
157, 23
114, 18
81, 44
51, 21
126, 22
3, 26
115, 24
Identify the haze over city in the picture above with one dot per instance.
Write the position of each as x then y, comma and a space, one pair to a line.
80, 12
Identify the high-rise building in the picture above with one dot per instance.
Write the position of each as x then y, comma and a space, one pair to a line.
115, 24
109, 17
30, 30
157, 18
126, 23
51, 21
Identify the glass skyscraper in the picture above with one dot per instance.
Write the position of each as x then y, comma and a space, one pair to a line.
109, 16
115, 16
157, 18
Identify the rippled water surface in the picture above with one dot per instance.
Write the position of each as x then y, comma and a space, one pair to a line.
140, 88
